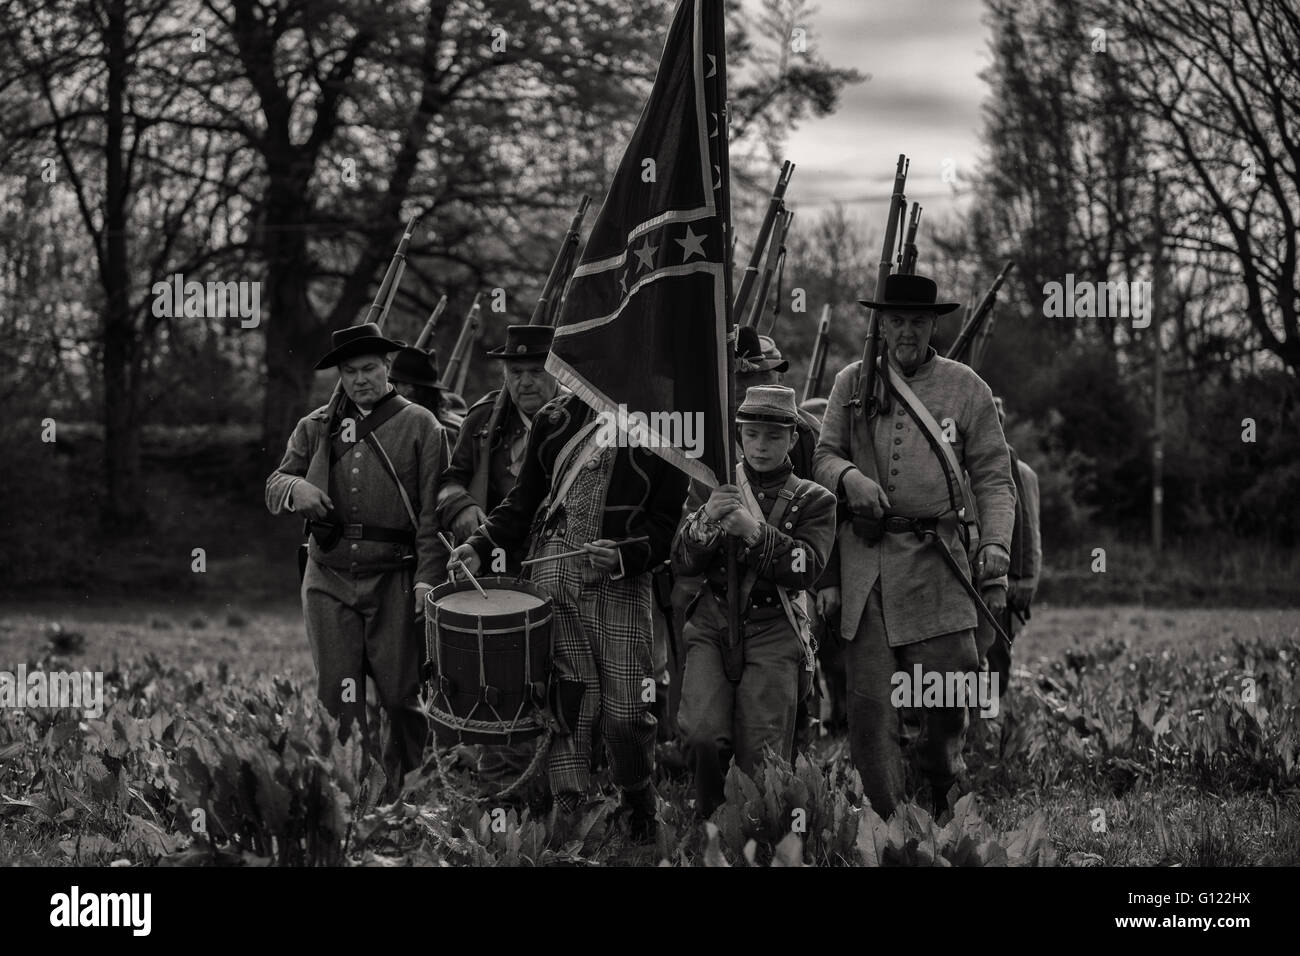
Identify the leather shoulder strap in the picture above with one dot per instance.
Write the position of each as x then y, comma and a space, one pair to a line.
953, 470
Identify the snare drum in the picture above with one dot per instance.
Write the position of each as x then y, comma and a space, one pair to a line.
490, 659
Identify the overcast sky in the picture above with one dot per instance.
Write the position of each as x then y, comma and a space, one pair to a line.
923, 98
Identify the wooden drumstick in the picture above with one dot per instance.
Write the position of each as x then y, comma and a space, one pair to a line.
574, 554
451, 547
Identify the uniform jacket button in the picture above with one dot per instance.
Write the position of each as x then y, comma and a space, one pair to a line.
898, 424
356, 454
789, 525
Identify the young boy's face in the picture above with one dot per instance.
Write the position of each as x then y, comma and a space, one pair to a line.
765, 446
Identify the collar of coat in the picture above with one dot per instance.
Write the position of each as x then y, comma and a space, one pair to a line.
769, 479
922, 370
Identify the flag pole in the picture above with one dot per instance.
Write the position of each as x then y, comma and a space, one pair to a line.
733, 653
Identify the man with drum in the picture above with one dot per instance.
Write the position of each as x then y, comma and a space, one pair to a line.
484, 466
578, 490
474, 483
374, 550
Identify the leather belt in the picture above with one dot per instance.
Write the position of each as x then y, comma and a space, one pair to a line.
371, 532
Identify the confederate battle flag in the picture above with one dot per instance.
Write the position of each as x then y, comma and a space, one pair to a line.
644, 320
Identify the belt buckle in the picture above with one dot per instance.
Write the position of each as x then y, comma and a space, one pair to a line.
351, 530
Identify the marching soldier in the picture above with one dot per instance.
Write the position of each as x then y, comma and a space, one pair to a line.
1026, 564
786, 526
484, 467
415, 375
374, 549
905, 576
759, 362
577, 491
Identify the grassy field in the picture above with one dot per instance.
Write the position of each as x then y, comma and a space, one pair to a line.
1130, 736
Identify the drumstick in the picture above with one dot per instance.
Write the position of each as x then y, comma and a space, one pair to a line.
450, 547
574, 554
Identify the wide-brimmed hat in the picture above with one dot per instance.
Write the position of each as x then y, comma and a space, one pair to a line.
364, 339
768, 405
910, 293
525, 342
751, 356
414, 366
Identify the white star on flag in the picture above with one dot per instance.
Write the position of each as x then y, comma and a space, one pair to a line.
691, 244
646, 255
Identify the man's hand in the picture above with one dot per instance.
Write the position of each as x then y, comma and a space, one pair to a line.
1020, 594
865, 496
603, 555
995, 599
828, 603
462, 553
722, 501
992, 562
420, 591
467, 522
311, 501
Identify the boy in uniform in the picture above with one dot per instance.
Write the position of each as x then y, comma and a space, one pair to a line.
785, 529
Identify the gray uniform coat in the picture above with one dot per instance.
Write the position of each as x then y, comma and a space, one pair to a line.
920, 596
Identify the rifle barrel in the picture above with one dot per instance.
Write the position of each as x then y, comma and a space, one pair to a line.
764, 234
468, 327
774, 249
427, 332
967, 333
561, 269
817, 364
865, 392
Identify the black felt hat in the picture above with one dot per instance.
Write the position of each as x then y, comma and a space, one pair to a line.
910, 293
415, 367
364, 339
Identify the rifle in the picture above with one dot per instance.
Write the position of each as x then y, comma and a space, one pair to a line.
764, 234
908, 265
451, 377
864, 392
967, 333
775, 250
318, 469
543, 314
427, 332
817, 364
561, 268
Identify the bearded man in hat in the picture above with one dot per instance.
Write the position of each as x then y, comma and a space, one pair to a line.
414, 374
909, 601
489, 451
374, 551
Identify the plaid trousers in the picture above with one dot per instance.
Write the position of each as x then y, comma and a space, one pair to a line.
601, 633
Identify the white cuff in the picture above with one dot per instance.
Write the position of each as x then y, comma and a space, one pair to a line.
288, 494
